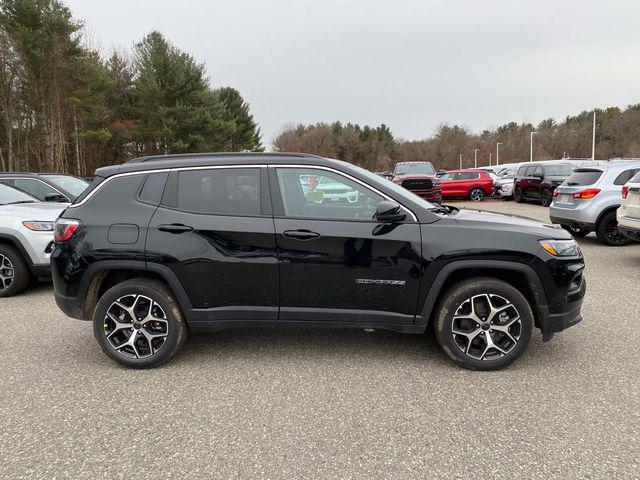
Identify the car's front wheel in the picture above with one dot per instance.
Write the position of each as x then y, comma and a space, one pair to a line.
14, 272
138, 323
484, 323
476, 194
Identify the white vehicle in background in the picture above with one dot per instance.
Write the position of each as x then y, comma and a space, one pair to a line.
628, 215
503, 185
331, 191
26, 239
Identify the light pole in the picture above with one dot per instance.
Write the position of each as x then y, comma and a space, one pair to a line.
475, 158
490, 158
498, 152
460, 161
531, 147
593, 140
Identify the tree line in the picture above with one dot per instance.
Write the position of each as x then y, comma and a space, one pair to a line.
375, 148
65, 108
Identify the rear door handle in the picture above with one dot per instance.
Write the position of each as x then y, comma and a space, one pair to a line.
175, 228
300, 234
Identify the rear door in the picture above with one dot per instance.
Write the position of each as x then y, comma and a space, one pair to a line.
535, 182
337, 264
215, 231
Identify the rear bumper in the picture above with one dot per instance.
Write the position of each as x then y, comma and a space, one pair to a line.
571, 222
69, 305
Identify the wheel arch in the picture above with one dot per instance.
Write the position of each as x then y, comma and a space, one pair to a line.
609, 209
101, 276
520, 275
8, 239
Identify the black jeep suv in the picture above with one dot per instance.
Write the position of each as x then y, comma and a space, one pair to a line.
161, 245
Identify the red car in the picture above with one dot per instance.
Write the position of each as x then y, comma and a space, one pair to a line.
471, 184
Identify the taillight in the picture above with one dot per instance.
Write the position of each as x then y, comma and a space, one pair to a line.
555, 193
586, 194
625, 191
64, 228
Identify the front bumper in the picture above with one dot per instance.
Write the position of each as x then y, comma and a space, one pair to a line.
569, 314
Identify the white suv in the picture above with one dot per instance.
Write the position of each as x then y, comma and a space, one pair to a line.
26, 239
629, 211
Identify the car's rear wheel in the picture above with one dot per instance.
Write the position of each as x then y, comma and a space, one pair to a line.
576, 231
138, 323
484, 323
14, 272
607, 231
517, 195
546, 197
476, 194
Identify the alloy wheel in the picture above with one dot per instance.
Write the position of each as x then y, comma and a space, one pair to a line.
486, 327
613, 235
476, 195
7, 273
136, 326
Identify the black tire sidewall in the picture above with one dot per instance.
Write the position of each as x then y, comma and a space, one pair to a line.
601, 232
546, 198
156, 291
468, 288
517, 195
21, 273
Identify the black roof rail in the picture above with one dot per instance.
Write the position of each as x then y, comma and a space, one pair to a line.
177, 156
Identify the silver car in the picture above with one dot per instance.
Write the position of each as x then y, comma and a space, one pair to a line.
26, 239
587, 201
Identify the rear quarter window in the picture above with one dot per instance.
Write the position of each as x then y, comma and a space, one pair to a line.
625, 176
584, 177
635, 178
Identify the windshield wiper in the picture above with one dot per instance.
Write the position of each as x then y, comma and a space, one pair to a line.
444, 209
20, 201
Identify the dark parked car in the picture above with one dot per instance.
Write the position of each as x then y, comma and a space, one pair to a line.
472, 184
419, 178
46, 187
537, 181
164, 245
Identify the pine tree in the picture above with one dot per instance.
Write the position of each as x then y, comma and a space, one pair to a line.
246, 134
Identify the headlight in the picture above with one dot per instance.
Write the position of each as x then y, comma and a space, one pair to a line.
561, 248
39, 226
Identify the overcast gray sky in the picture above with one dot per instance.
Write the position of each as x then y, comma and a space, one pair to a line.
409, 64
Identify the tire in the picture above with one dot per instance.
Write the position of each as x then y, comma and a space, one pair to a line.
14, 272
607, 231
476, 194
577, 232
470, 349
156, 339
546, 197
517, 195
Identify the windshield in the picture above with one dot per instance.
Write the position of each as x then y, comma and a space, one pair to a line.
558, 170
423, 168
75, 186
11, 195
402, 192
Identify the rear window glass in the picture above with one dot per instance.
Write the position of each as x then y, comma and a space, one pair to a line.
583, 177
558, 170
220, 191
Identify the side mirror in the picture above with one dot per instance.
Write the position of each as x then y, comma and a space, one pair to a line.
389, 212
55, 197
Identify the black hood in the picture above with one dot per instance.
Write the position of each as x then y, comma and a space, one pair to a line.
512, 223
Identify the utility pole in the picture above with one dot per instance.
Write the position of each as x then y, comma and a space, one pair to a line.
490, 159
593, 140
531, 147
475, 158
460, 161
498, 152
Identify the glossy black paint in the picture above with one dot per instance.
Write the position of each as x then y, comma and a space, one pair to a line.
235, 270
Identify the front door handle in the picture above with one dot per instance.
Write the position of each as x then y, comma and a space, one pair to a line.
175, 228
300, 234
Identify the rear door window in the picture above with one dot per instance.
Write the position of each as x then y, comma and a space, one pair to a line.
583, 176
219, 191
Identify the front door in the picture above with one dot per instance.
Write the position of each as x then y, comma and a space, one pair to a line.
214, 230
336, 263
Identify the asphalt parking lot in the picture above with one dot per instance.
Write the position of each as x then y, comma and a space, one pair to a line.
316, 403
